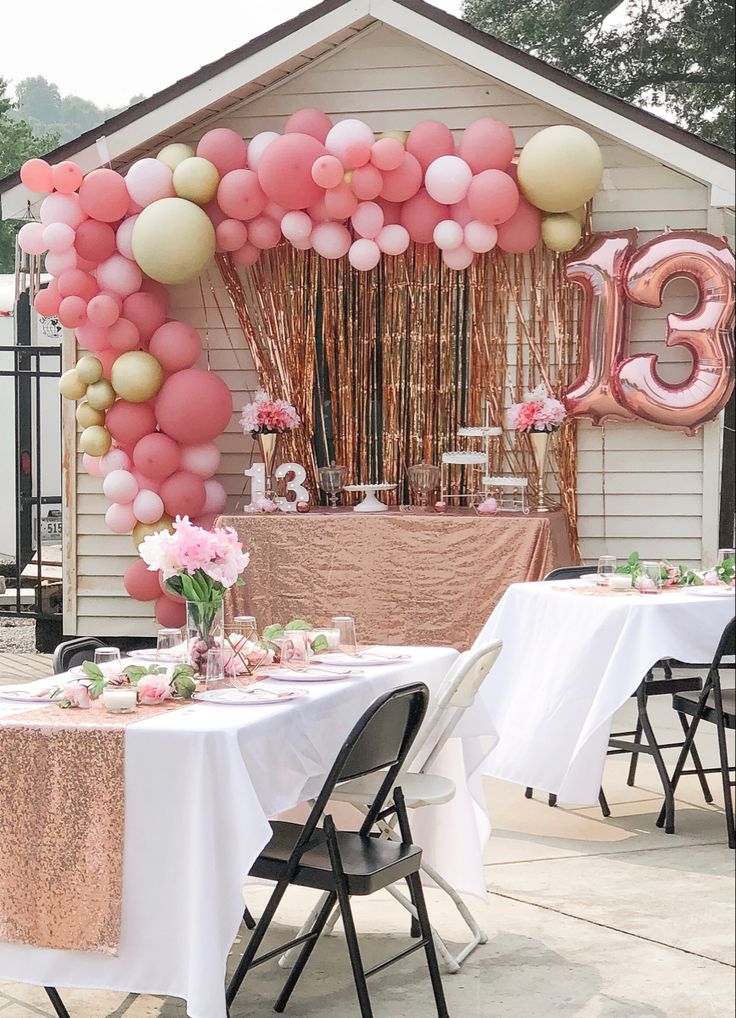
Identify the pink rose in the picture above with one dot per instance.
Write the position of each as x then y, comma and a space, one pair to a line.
78, 695
711, 578
154, 689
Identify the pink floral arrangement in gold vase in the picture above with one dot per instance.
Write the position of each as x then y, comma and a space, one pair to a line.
537, 415
266, 420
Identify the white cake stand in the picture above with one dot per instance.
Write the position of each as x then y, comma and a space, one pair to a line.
370, 503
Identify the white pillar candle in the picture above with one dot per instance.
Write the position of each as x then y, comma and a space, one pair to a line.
619, 581
119, 699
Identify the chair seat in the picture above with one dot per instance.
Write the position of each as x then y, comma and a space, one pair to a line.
369, 863
688, 704
419, 789
675, 684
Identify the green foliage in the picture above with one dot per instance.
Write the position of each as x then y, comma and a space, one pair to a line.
42, 106
675, 55
276, 631
97, 681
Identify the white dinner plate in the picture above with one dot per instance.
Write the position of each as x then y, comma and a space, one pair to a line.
711, 591
247, 697
153, 657
25, 696
360, 660
313, 675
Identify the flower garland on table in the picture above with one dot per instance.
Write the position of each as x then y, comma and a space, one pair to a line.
683, 576
153, 684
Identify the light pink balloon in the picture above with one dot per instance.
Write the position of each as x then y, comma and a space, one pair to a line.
72, 312
447, 179
357, 154
285, 171
393, 239
119, 275
66, 176
31, 238
309, 121
115, 459
493, 197
120, 518
231, 234
57, 264
480, 237
364, 254
523, 231
346, 133
387, 154
175, 345
340, 202
57, 237
92, 337
331, 240
240, 195
487, 144
75, 283
91, 465
120, 486
367, 219
319, 213
148, 180
148, 506
183, 494
404, 182
274, 211
94, 241
145, 312
420, 215
37, 176
263, 233
215, 497
62, 208
103, 310
202, 460
448, 235
224, 148
459, 258
430, 140
123, 336
129, 422
47, 301
296, 226
366, 182
104, 196
156, 456
258, 145
246, 255
327, 171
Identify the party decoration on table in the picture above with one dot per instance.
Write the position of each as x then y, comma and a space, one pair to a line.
488, 507
370, 503
275, 634
474, 464
154, 683
303, 507
440, 507
508, 492
266, 419
424, 483
293, 475
537, 416
679, 575
332, 480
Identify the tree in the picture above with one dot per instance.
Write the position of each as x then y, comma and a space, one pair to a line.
41, 105
674, 55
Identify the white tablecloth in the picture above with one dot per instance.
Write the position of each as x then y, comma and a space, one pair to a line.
200, 784
569, 661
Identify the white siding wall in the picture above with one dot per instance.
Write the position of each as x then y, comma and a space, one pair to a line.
651, 496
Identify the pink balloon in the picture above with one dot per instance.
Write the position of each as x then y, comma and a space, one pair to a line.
346, 133
56, 264
404, 182
108, 356
202, 460
62, 208
391, 211
366, 182
128, 423
103, 310
37, 176
461, 213
47, 301
147, 484
357, 154
224, 148
459, 258
123, 336
367, 219
317, 213
148, 506
327, 171
340, 202
140, 582
448, 235
263, 233
120, 518
75, 283
169, 613
480, 237
120, 486
156, 456
240, 195
148, 180
94, 241
523, 231
309, 121
493, 197
183, 494
231, 234
285, 171
331, 240
364, 254
145, 312
31, 238
57, 237
215, 497
296, 226
104, 196
115, 459
258, 145
246, 255
91, 465
194, 406
487, 144
124, 236
72, 312
420, 215
430, 140
387, 154
302, 245
274, 211
175, 346
120, 275
447, 179
159, 291
205, 520
92, 337
66, 176
393, 239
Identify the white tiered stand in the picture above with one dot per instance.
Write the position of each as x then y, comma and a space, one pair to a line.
458, 457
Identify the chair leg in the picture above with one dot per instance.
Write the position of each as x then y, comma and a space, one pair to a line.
680, 765
285, 961
479, 935
669, 798
707, 795
631, 777
414, 880
529, 792
255, 942
248, 919
304, 954
603, 802
552, 799
440, 946
56, 1002
727, 803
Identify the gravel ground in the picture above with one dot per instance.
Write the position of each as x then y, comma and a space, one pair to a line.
17, 636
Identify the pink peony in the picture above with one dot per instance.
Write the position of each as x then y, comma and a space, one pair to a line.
710, 579
153, 689
78, 695
268, 415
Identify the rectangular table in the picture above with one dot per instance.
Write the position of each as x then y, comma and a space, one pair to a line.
200, 785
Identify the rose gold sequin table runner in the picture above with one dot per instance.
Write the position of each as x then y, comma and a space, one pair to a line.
407, 578
62, 813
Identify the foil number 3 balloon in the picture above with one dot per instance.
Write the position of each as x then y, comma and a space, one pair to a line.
615, 386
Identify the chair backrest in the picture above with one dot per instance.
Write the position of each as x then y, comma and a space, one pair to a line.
726, 645
569, 572
457, 693
75, 652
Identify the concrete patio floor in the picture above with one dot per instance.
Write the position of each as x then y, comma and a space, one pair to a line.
586, 917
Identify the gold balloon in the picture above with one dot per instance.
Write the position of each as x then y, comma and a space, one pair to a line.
100, 395
174, 154
87, 415
173, 240
136, 376
560, 168
95, 440
581, 214
71, 385
561, 232
89, 369
196, 179
400, 136
141, 530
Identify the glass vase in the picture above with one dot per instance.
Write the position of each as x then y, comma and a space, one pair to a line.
205, 628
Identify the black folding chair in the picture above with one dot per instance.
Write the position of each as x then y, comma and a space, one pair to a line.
56, 1002
717, 706
346, 863
75, 652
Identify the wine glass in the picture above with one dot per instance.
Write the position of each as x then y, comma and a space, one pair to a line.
170, 645
331, 481
649, 580
606, 568
345, 624
296, 650
424, 483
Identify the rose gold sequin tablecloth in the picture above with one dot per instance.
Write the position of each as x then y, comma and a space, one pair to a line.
62, 813
407, 578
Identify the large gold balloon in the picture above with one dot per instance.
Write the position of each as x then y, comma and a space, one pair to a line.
174, 154
400, 136
87, 415
136, 376
95, 440
89, 369
173, 240
71, 385
561, 232
100, 395
196, 179
141, 530
560, 168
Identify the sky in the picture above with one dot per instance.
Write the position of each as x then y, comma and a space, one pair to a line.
108, 52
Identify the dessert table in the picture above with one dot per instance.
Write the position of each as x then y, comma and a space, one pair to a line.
416, 577
200, 784
571, 657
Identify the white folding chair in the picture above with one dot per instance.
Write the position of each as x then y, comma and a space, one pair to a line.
421, 788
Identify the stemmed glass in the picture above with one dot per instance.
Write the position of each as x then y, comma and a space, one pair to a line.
331, 481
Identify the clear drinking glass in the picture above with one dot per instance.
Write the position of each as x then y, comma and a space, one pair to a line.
606, 568
649, 580
345, 624
725, 553
296, 650
107, 655
215, 677
170, 645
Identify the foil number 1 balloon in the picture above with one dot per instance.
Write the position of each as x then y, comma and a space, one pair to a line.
615, 386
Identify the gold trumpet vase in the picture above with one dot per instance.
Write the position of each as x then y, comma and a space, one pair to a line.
268, 442
539, 441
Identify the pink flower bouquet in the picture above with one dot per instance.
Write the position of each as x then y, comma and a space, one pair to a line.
268, 416
538, 411
197, 564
